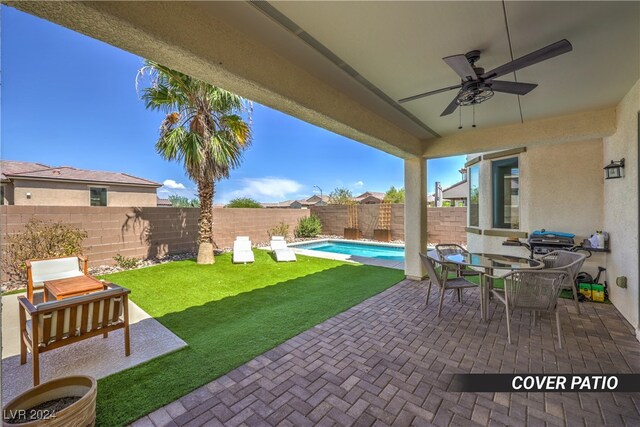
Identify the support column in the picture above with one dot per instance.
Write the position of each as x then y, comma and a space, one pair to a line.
415, 216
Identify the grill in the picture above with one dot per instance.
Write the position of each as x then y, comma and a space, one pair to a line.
542, 242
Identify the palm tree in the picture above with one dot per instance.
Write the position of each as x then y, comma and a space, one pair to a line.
203, 129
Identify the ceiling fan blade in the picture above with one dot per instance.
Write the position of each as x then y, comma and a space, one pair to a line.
512, 87
450, 108
461, 66
555, 49
433, 92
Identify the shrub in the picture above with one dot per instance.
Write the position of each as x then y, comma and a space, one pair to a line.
126, 263
341, 196
394, 195
282, 229
244, 202
184, 202
308, 227
40, 240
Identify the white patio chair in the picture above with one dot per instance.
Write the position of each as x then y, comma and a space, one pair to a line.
535, 290
442, 281
571, 262
280, 249
242, 252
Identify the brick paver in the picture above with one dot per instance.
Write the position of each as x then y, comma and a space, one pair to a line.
388, 361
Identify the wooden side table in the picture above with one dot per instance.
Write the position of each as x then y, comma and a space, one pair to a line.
71, 287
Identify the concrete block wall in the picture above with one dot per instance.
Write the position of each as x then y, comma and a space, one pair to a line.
149, 231
443, 224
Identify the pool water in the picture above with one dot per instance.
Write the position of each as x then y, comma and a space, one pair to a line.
391, 253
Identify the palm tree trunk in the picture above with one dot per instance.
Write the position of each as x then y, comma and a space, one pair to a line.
205, 222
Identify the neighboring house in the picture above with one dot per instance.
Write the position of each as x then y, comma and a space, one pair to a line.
457, 193
299, 204
314, 201
369, 198
292, 204
431, 200
26, 183
165, 203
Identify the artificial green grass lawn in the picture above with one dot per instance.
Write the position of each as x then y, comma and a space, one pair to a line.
227, 314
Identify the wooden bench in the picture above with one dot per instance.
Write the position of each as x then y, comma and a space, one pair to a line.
42, 270
64, 322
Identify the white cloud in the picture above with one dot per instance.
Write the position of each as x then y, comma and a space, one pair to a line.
267, 189
358, 184
171, 184
174, 188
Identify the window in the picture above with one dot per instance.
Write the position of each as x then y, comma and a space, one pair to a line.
2, 194
98, 196
474, 196
506, 197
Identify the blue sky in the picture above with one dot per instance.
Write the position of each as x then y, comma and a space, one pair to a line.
70, 100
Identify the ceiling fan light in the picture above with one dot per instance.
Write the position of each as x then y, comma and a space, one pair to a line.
475, 93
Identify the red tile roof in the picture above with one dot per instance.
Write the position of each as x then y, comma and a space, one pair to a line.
12, 169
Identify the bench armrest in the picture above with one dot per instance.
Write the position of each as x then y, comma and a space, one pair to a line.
84, 260
26, 305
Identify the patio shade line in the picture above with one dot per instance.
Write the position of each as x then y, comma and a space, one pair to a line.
292, 27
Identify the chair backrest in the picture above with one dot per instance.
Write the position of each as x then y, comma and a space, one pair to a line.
278, 243
77, 316
242, 245
430, 265
571, 262
534, 289
277, 238
46, 269
445, 249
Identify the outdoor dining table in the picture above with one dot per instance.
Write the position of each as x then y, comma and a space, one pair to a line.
489, 263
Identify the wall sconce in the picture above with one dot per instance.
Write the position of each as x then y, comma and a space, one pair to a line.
28, 195
614, 169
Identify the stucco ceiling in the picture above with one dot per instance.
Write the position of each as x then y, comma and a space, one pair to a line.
397, 48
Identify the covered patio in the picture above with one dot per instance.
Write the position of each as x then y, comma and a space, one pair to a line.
343, 66
389, 361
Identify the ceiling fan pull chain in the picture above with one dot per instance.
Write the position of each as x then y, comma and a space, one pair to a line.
474, 116
460, 120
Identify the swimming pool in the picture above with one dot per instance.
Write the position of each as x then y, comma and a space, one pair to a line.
379, 251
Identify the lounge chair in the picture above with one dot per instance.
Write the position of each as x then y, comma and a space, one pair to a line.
242, 252
280, 249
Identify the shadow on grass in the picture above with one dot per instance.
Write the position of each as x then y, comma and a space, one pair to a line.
229, 332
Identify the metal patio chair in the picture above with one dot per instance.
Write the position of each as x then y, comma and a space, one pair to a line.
445, 249
442, 281
571, 263
535, 290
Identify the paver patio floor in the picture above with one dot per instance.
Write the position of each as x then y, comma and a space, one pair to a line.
388, 361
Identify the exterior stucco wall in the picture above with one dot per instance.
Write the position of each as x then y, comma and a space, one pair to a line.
561, 189
621, 208
50, 193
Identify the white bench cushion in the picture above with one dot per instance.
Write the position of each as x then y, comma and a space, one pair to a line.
53, 269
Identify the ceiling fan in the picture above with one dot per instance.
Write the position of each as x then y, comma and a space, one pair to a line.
477, 86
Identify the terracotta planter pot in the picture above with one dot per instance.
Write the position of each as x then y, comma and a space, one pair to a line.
81, 413
352, 233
